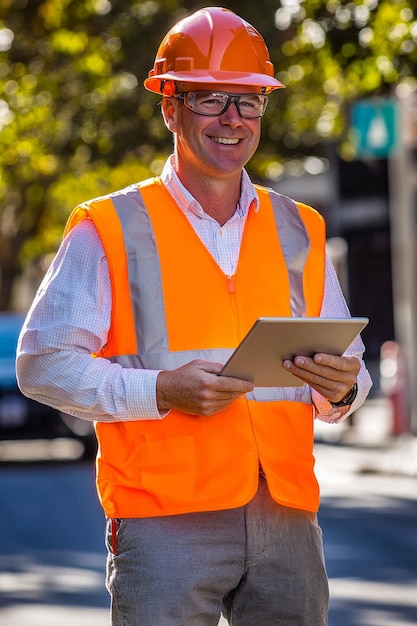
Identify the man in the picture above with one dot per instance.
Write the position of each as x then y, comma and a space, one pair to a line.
207, 483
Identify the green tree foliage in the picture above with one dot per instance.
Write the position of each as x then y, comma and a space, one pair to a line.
74, 116
75, 120
336, 52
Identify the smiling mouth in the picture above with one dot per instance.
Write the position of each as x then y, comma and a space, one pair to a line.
224, 140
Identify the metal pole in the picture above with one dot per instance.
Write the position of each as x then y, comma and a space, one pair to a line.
403, 224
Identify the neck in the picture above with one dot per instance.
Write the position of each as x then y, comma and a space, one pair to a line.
218, 198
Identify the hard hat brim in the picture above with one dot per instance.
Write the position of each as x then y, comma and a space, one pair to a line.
268, 83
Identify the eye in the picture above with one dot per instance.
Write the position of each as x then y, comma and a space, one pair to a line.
249, 102
210, 99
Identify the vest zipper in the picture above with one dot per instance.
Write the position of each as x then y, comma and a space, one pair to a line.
231, 284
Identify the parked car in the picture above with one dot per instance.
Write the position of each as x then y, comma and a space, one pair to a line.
24, 419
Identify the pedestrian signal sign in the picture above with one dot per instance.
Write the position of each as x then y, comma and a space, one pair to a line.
375, 127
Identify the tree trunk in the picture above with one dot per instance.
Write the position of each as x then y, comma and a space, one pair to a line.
10, 269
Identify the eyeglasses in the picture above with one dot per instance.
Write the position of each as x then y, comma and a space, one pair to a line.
212, 103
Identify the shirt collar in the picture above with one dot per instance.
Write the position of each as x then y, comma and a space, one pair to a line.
187, 202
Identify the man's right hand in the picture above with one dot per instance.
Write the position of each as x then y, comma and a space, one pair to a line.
197, 389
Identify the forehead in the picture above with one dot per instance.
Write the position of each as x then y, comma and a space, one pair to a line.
228, 88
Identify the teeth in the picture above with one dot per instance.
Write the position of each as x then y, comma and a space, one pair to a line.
224, 140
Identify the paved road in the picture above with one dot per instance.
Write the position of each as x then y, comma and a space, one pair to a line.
51, 547
369, 521
52, 555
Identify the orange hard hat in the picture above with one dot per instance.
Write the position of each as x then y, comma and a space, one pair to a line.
213, 45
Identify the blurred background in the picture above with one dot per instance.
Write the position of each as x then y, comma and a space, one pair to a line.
76, 122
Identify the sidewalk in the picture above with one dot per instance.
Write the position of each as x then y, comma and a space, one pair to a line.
370, 439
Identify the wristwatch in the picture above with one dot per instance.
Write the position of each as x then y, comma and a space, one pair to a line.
349, 397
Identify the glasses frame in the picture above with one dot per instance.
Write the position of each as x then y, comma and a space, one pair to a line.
232, 98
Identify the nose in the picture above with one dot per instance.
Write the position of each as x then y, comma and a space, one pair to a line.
231, 115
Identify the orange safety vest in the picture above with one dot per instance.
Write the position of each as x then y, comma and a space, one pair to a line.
171, 304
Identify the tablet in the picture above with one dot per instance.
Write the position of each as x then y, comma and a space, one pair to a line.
259, 356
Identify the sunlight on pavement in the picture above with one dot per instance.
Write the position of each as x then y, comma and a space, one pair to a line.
38, 578
50, 615
369, 591
361, 594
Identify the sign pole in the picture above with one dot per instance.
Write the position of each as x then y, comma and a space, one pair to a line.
403, 213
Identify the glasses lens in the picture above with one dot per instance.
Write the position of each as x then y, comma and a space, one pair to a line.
215, 103
252, 105
206, 102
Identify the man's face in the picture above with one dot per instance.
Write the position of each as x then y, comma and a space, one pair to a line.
212, 146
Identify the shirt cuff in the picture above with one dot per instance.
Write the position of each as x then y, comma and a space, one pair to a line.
325, 411
141, 395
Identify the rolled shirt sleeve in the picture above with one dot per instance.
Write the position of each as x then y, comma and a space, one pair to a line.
67, 323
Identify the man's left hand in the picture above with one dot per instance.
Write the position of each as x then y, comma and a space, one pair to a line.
331, 376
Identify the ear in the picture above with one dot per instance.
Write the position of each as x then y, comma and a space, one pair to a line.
169, 112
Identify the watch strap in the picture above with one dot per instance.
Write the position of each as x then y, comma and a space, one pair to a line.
349, 397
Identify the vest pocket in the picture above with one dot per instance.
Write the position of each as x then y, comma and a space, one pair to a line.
168, 470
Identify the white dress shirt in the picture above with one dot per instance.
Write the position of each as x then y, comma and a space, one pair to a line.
70, 317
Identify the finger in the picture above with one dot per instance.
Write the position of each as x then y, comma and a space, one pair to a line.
228, 384
331, 367
307, 376
303, 366
346, 363
210, 367
331, 383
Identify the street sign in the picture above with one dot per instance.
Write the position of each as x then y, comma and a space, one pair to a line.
375, 127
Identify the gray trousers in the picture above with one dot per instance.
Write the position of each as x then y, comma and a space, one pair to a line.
261, 565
